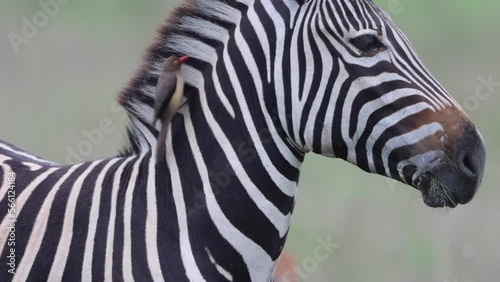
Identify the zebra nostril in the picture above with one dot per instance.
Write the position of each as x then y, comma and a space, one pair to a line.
468, 166
471, 164
471, 161
471, 155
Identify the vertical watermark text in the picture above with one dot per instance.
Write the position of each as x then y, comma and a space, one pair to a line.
12, 218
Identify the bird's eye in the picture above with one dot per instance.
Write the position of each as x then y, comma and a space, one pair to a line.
367, 43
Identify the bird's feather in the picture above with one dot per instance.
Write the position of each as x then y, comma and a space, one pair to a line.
167, 84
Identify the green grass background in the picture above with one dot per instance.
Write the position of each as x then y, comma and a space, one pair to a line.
65, 80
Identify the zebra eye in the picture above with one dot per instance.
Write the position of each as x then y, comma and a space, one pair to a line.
367, 43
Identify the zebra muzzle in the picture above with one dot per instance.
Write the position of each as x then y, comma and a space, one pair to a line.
455, 179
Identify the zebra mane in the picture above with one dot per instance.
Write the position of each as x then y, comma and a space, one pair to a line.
178, 35
138, 96
193, 29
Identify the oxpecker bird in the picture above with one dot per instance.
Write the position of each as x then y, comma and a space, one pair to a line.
169, 95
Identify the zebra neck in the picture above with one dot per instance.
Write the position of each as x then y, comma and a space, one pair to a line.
210, 32
226, 152
234, 196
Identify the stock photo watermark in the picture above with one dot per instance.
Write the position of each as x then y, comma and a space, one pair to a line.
483, 91
12, 218
396, 7
93, 138
31, 25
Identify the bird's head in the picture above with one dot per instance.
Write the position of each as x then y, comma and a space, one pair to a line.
174, 63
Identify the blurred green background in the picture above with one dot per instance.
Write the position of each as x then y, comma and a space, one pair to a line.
65, 80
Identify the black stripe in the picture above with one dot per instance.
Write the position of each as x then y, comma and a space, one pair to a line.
53, 234
118, 235
73, 269
140, 267
26, 218
100, 238
168, 229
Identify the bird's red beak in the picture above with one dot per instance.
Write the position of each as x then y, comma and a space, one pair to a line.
183, 59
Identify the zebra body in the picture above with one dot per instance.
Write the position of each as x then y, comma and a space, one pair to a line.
267, 81
78, 235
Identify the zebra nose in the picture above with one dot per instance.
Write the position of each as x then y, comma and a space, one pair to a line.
471, 157
471, 163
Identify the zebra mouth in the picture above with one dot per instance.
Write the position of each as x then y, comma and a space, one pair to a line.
454, 178
435, 192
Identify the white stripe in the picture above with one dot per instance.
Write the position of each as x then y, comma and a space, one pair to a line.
409, 138
220, 93
281, 29
219, 10
142, 111
212, 31
293, 7
39, 229
219, 268
368, 15
338, 18
153, 257
63, 247
326, 137
384, 124
405, 44
326, 73
148, 90
108, 263
127, 223
280, 25
192, 271
20, 201
6, 170
280, 221
93, 218
346, 55
308, 69
195, 49
246, 2
350, 27
369, 108
422, 162
294, 73
253, 254
353, 12
398, 61
261, 33
357, 86
24, 154
286, 186
32, 166
146, 133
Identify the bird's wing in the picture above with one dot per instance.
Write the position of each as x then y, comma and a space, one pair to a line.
167, 83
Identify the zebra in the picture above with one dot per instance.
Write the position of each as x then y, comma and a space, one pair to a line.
267, 82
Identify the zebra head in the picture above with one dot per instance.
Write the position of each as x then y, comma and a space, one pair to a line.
362, 94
